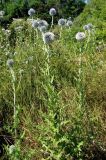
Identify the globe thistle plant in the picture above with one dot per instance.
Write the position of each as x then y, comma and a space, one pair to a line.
80, 36
35, 25
31, 12
61, 23
10, 63
88, 28
52, 13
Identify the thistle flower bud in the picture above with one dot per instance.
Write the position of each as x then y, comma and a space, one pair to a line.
52, 12
80, 36
69, 23
10, 63
62, 22
88, 26
31, 12
48, 37
85, 27
35, 23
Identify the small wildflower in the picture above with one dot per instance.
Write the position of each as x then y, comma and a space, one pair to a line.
52, 12
35, 23
62, 22
80, 36
10, 63
48, 37
2, 13
31, 12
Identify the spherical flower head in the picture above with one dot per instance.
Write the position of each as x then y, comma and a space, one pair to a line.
48, 37
35, 23
62, 22
80, 36
42, 23
85, 27
69, 23
88, 26
31, 12
10, 63
2, 13
42, 29
52, 11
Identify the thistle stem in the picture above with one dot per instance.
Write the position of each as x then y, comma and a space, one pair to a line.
52, 22
14, 100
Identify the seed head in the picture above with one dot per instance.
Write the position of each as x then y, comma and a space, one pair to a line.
10, 63
35, 23
62, 22
48, 37
52, 12
80, 36
31, 12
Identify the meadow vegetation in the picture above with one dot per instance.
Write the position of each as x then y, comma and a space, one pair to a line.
52, 88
